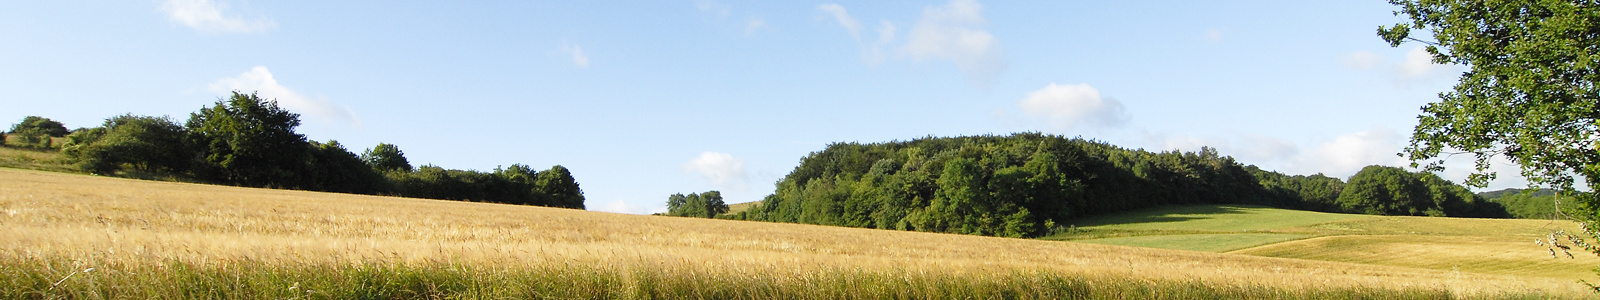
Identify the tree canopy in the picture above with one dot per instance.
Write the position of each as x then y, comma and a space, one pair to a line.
1529, 94
1026, 184
36, 125
386, 157
247, 140
250, 141
702, 205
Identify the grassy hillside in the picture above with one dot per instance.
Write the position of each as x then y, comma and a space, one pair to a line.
1492, 246
24, 158
76, 236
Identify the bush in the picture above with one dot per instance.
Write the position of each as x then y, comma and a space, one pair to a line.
151, 144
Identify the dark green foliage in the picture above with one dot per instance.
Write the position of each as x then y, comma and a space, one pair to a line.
703, 205
36, 125
1529, 94
517, 184
332, 168
1023, 184
1530, 203
559, 188
249, 141
144, 143
386, 157
36, 132
1384, 190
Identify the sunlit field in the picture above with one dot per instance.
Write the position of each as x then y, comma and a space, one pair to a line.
1492, 246
77, 236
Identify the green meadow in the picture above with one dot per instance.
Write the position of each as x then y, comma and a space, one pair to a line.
1488, 246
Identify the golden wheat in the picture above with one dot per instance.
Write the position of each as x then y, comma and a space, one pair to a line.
93, 220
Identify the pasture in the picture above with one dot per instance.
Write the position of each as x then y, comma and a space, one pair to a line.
1490, 246
78, 236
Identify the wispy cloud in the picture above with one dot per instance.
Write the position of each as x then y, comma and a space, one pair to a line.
1360, 60
1416, 66
207, 16
260, 80
721, 169
755, 24
844, 19
575, 52
1213, 35
712, 7
873, 52
955, 32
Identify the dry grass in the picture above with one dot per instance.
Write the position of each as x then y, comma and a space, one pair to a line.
1493, 246
82, 221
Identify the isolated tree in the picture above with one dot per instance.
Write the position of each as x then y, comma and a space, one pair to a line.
561, 189
702, 205
32, 125
36, 131
1530, 93
247, 140
386, 157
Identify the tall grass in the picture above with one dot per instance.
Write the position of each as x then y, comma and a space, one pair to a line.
41, 278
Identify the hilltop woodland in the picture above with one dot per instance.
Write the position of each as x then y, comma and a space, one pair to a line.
1029, 184
244, 140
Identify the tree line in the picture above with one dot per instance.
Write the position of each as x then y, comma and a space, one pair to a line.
1026, 184
248, 141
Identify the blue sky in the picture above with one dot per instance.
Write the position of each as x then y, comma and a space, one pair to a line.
643, 100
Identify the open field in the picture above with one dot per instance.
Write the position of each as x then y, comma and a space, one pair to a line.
1493, 246
143, 238
739, 207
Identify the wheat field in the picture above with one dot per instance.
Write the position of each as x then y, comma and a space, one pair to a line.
55, 226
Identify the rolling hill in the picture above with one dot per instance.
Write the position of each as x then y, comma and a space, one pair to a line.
101, 237
1491, 246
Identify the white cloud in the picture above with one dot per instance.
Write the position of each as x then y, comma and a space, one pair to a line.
1341, 157
206, 16
954, 32
1418, 64
1361, 60
259, 80
721, 169
624, 207
1347, 154
1069, 106
843, 17
1415, 67
873, 53
1213, 35
578, 57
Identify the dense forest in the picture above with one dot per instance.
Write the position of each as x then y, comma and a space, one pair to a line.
1027, 184
248, 141
1533, 203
